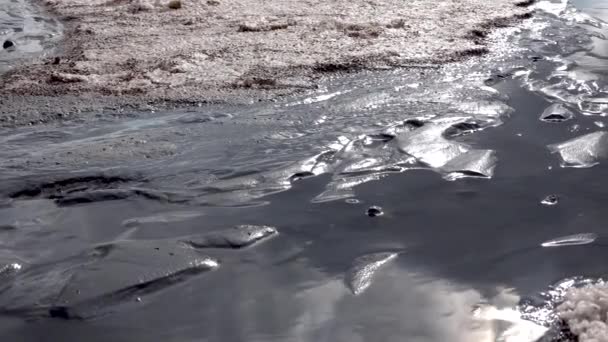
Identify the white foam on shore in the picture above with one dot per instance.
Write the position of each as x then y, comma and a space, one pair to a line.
585, 311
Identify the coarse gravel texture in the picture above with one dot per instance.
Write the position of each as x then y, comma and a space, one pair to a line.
136, 55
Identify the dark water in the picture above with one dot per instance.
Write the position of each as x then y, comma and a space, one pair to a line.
114, 230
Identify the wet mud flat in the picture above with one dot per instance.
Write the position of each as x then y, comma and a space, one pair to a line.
462, 203
142, 55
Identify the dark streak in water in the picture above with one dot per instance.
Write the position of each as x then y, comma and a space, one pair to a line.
61, 185
116, 194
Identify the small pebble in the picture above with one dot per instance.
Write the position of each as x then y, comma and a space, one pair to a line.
175, 4
550, 200
374, 211
8, 44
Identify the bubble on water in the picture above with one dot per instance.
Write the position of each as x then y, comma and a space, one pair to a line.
556, 113
584, 151
550, 200
571, 240
374, 211
359, 277
352, 201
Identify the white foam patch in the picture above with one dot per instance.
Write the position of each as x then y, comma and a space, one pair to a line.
571, 240
585, 311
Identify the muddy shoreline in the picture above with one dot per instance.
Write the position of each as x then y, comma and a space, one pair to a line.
137, 56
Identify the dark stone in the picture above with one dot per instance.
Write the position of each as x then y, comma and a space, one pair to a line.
525, 3
59, 312
8, 44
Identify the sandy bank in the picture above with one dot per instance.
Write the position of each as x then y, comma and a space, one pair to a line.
139, 53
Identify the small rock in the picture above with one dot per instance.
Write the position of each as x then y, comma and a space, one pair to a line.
374, 211
8, 44
396, 24
140, 6
550, 200
175, 4
213, 2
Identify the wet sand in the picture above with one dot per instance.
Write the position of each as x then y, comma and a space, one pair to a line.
124, 56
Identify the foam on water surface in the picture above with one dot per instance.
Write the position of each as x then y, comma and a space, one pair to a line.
571, 240
361, 274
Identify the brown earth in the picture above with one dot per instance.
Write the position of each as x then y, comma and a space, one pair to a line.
132, 55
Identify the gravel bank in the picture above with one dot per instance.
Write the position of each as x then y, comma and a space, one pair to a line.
124, 55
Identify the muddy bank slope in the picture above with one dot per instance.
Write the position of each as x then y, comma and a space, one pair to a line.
122, 55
